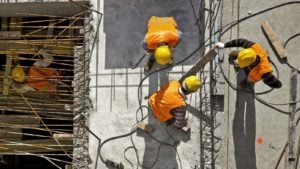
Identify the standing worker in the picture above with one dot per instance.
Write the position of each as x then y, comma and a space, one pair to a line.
168, 104
161, 37
39, 77
253, 60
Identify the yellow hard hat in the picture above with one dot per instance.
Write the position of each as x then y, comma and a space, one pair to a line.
192, 83
18, 74
162, 54
246, 57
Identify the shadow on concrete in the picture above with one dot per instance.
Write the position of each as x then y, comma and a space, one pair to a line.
244, 127
158, 155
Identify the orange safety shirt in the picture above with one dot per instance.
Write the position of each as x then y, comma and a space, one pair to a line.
42, 79
262, 67
166, 99
161, 30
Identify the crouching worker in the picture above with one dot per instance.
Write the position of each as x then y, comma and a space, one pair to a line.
161, 37
168, 104
253, 60
37, 77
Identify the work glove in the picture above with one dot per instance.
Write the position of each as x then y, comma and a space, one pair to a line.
219, 45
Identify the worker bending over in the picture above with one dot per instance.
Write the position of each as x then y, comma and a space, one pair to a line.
162, 35
168, 104
253, 60
38, 77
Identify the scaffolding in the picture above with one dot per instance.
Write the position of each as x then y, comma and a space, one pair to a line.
35, 121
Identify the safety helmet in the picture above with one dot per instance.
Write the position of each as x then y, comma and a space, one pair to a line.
162, 54
246, 57
18, 74
192, 83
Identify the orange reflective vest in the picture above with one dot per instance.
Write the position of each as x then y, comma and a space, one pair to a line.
161, 30
166, 99
42, 79
262, 67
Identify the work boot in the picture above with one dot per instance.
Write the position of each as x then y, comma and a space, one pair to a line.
148, 65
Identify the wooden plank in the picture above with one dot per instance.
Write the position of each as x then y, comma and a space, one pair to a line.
292, 121
64, 136
19, 120
279, 50
15, 23
62, 47
11, 134
68, 167
4, 24
7, 74
35, 146
200, 64
9, 35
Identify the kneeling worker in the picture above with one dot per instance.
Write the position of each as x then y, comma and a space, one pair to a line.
253, 60
168, 104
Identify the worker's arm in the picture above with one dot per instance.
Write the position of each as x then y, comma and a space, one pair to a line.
179, 115
271, 80
46, 61
146, 49
239, 43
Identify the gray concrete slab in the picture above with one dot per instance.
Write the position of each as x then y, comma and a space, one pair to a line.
125, 24
115, 111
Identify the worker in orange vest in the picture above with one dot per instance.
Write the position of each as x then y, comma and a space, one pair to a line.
39, 77
168, 104
161, 37
253, 60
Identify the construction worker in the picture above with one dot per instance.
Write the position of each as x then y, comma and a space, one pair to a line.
39, 77
161, 37
253, 60
168, 104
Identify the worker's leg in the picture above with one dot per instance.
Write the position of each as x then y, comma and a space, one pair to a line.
149, 63
242, 78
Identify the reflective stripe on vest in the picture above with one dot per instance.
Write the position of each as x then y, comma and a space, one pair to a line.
39, 78
166, 99
161, 30
262, 67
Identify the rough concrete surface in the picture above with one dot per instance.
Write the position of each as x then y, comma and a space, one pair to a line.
253, 134
125, 25
115, 96
247, 121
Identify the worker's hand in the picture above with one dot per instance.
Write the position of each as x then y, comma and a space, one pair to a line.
219, 45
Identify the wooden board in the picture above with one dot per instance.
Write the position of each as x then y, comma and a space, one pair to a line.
9, 35
34, 146
280, 51
200, 64
62, 47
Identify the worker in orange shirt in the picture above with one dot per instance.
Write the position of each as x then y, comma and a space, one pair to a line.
253, 60
168, 104
161, 37
38, 77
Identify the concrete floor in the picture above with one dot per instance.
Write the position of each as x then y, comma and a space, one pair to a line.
244, 122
